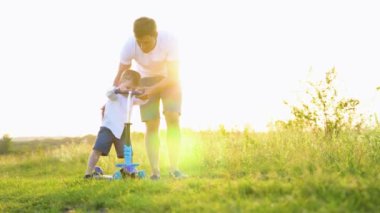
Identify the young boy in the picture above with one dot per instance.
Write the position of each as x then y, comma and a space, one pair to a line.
114, 116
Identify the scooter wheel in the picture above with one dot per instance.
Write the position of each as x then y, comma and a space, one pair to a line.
117, 175
141, 174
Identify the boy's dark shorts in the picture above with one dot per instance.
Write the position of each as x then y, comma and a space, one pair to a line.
105, 139
171, 100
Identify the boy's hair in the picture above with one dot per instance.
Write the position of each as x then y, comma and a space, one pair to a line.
131, 74
144, 26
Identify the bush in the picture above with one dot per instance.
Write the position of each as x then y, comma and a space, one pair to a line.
5, 144
326, 112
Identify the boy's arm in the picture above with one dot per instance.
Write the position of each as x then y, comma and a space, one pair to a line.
122, 68
111, 94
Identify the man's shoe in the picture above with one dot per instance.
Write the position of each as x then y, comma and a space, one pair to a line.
154, 177
178, 175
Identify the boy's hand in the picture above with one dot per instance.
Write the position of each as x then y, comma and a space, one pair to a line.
123, 90
102, 110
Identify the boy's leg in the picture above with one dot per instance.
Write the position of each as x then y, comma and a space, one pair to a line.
102, 146
92, 160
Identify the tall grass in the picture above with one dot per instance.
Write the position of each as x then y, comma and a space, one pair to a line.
230, 171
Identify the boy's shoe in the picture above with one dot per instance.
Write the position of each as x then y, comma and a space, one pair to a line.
155, 177
178, 175
89, 176
98, 170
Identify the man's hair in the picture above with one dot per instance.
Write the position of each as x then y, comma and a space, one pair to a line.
144, 26
131, 74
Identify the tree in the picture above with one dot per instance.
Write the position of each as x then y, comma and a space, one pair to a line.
5, 144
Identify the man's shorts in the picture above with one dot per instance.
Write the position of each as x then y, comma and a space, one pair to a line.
105, 139
171, 100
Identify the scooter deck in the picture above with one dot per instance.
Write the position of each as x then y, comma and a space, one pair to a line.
104, 177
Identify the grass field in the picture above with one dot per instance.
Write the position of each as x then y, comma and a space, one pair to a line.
230, 171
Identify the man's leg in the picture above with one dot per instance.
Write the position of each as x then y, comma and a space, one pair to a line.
150, 115
152, 143
173, 138
172, 100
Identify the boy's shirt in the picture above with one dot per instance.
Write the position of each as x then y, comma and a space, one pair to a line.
115, 112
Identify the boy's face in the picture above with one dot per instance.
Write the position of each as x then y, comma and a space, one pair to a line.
127, 83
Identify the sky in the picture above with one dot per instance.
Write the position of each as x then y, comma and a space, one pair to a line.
239, 59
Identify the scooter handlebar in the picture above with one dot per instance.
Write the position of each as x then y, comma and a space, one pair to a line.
134, 92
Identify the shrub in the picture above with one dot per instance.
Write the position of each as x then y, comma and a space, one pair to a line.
326, 112
5, 144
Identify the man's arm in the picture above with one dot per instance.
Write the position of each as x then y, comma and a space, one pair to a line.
122, 68
171, 79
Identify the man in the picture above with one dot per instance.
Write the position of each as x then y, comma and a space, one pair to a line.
156, 57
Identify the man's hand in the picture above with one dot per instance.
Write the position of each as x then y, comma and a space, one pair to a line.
147, 93
139, 92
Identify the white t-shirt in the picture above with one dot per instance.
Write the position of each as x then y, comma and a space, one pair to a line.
115, 112
152, 63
